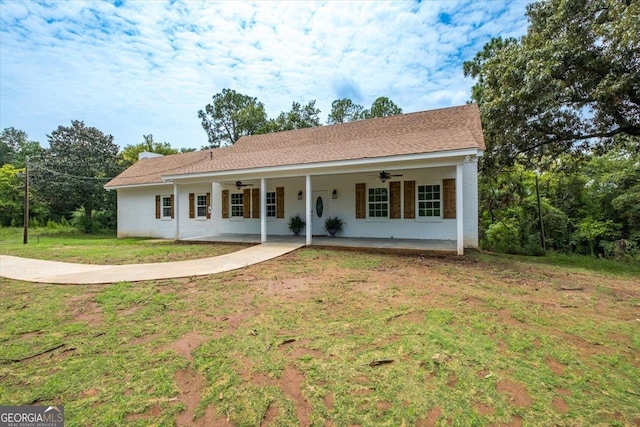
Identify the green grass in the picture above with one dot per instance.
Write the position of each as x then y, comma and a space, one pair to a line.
71, 246
292, 340
627, 267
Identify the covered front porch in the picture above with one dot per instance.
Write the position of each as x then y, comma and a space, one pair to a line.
421, 245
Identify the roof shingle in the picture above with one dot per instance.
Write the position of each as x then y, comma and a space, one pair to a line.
431, 131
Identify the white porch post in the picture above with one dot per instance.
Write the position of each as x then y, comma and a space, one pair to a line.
459, 210
263, 210
308, 219
176, 210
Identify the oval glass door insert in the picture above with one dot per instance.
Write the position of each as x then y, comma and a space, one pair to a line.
319, 206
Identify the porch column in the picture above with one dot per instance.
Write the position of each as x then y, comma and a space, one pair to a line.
459, 210
263, 210
176, 210
308, 219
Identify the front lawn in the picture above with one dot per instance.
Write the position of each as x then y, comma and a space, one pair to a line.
332, 338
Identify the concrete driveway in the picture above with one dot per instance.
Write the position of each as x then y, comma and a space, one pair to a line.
33, 270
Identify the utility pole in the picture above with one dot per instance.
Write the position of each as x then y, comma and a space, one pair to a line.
25, 238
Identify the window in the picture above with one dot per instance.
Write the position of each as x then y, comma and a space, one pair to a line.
378, 203
201, 206
429, 200
271, 204
237, 205
166, 207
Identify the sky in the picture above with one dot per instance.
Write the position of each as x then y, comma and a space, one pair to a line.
132, 68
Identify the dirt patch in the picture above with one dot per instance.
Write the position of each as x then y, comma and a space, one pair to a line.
185, 345
519, 397
556, 367
383, 406
516, 421
149, 414
288, 288
270, 416
560, 405
291, 383
328, 401
190, 385
431, 418
87, 310
453, 381
483, 409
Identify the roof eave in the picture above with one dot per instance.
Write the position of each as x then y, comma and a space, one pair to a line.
301, 168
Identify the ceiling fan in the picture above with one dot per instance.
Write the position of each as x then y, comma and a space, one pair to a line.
384, 176
238, 184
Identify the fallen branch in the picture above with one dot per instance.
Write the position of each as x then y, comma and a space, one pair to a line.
571, 288
395, 316
288, 341
379, 362
22, 359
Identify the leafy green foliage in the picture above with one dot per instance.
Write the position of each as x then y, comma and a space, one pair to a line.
344, 110
589, 206
230, 116
72, 172
129, 154
571, 82
11, 195
298, 117
15, 147
382, 107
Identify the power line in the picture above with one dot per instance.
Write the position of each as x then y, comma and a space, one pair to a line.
66, 175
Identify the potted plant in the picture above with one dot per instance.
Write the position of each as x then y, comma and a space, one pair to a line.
296, 224
333, 225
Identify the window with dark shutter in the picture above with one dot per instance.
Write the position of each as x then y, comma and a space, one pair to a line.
279, 202
246, 203
449, 198
394, 200
255, 203
409, 199
361, 200
192, 205
225, 204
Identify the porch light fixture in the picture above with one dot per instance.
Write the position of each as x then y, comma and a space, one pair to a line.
334, 195
300, 195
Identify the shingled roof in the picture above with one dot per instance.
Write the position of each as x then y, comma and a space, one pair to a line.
446, 129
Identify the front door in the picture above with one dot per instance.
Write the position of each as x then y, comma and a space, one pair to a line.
319, 208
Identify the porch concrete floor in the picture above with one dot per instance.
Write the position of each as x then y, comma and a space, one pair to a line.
343, 242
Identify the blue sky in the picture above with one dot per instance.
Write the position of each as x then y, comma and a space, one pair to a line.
146, 67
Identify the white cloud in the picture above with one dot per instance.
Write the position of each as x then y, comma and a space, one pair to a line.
149, 66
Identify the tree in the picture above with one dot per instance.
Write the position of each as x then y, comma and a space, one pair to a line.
382, 107
572, 81
11, 195
15, 147
298, 117
129, 154
230, 116
344, 110
71, 173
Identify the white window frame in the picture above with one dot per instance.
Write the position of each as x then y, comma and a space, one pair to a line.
271, 204
204, 206
427, 201
238, 214
164, 206
377, 202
